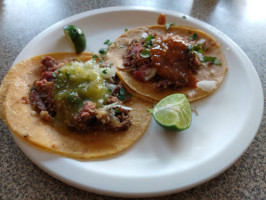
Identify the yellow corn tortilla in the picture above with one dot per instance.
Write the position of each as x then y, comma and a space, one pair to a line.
25, 123
146, 90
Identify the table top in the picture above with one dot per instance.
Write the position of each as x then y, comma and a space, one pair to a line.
243, 21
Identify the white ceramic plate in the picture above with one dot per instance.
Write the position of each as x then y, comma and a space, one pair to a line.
160, 162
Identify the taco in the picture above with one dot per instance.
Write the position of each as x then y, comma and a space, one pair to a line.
71, 104
155, 61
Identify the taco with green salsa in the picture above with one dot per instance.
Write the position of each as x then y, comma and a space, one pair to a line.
156, 61
71, 104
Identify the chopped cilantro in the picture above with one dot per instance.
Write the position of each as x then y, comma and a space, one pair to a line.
194, 36
149, 38
67, 74
110, 65
126, 29
168, 25
197, 48
212, 60
104, 71
53, 75
148, 41
117, 111
184, 17
217, 61
72, 97
145, 53
109, 90
108, 42
94, 56
103, 51
32, 88
122, 94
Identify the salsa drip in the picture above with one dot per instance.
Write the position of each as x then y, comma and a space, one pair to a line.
62, 96
161, 19
168, 62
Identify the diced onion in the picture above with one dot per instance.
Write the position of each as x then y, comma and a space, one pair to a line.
116, 105
111, 86
207, 86
101, 101
109, 106
124, 107
105, 72
144, 35
151, 74
201, 41
213, 71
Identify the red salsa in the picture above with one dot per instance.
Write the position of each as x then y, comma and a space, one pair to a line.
172, 61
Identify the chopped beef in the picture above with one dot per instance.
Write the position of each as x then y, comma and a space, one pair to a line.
48, 76
91, 118
49, 63
133, 59
121, 113
121, 120
44, 90
36, 101
119, 94
86, 116
41, 93
102, 116
112, 99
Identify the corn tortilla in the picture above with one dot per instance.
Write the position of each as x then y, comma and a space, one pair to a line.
147, 90
26, 124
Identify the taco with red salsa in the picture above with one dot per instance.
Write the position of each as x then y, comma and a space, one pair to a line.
156, 61
71, 104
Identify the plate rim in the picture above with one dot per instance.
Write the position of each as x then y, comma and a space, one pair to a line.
141, 194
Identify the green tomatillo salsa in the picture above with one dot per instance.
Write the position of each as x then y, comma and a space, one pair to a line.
75, 84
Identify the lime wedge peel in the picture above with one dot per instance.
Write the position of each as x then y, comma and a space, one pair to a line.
173, 112
76, 38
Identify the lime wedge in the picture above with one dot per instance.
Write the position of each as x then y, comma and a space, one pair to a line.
75, 37
173, 112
